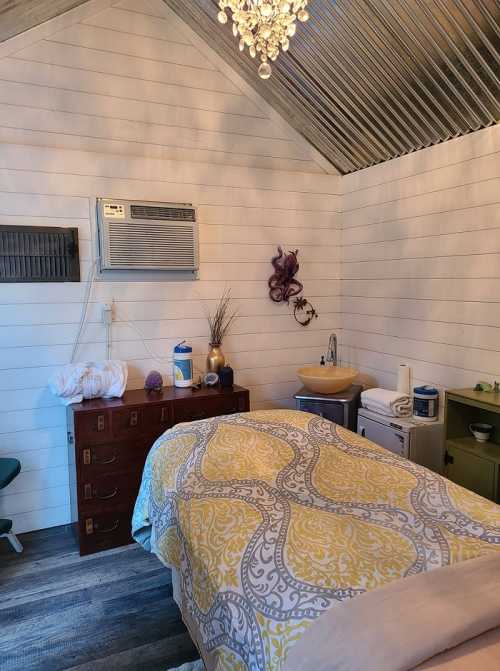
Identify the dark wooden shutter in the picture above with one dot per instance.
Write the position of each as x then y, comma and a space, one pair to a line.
39, 254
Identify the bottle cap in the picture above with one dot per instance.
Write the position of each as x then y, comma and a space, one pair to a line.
181, 348
425, 390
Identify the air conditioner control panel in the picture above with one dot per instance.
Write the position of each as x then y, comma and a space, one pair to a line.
114, 210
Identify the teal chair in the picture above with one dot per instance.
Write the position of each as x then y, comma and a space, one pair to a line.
9, 469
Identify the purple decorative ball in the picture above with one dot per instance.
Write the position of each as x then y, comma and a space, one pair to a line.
154, 381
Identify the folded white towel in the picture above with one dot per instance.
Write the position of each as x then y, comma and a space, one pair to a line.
396, 411
386, 402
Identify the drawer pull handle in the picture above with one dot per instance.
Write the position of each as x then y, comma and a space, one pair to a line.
87, 457
100, 422
164, 414
113, 527
89, 526
103, 462
90, 492
104, 497
134, 418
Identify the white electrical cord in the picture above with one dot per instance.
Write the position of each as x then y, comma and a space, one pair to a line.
153, 355
108, 324
86, 300
108, 342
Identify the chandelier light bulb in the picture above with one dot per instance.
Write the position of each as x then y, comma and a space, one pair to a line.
263, 26
266, 10
265, 70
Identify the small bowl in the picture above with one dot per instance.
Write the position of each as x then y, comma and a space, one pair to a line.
481, 432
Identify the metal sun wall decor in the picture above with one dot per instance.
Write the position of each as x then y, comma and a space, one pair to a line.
283, 286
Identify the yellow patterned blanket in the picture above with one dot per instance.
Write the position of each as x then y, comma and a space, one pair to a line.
271, 517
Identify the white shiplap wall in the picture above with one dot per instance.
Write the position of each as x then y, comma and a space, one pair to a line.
421, 264
119, 99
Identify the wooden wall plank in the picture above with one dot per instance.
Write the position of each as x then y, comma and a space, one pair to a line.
449, 199
129, 149
188, 139
62, 77
186, 78
135, 18
480, 143
110, 106
131, 19
176, 172
164, 49
50, 183
64, 294
434, 224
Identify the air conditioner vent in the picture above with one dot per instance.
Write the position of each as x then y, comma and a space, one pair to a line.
140, 246
162, 213
147, 236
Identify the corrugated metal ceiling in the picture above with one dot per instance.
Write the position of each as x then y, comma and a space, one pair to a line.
369, 80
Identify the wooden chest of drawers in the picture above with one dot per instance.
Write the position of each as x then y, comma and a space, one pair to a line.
108, 443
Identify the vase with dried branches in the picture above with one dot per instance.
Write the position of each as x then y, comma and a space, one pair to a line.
219, 323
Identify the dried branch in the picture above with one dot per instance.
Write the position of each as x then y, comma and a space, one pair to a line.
222, 319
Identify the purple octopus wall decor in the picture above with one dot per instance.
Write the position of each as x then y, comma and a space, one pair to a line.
282, 283
283, 286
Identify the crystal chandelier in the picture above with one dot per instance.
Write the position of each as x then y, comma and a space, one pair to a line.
264, 26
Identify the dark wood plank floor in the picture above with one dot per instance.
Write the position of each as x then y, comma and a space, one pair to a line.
108, 611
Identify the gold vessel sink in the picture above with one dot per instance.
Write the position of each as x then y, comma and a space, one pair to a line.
327, 379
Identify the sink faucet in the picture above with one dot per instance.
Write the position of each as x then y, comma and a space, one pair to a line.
331, 355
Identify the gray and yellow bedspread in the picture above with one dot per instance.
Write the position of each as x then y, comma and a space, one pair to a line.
272, 517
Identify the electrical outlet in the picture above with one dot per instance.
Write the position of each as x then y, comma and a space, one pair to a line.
107, 313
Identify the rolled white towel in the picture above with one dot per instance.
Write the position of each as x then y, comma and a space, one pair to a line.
386, 402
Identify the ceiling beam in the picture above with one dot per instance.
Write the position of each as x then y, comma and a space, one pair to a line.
17, 16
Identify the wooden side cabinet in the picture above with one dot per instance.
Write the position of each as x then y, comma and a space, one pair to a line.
469, 463
108, 442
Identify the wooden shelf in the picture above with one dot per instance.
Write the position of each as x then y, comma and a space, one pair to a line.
488, 450
477, 399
